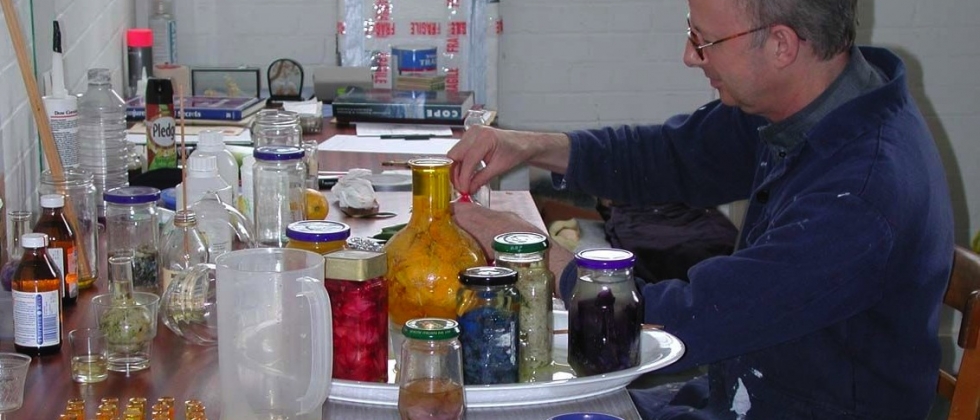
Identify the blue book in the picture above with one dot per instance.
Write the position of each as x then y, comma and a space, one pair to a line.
202, 108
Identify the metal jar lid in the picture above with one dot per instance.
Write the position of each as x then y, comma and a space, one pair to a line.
605, 259
488, 276
355, 265
317, 231
430, 329
520, 242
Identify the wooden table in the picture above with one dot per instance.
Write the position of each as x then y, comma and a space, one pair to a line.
186, 371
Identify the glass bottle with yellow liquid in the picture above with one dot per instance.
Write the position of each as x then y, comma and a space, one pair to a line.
426, 256
62, 247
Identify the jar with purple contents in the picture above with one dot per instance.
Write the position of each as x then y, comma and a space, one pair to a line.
605, 313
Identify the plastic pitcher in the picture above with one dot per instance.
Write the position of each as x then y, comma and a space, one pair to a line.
275, 348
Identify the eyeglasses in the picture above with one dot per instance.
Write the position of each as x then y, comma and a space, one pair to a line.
698, 45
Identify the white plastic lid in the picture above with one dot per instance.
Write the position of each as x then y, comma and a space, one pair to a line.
52, 201
211, 141
34, 240
202, 166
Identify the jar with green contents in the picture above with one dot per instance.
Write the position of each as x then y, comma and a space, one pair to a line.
320, 236
527, 254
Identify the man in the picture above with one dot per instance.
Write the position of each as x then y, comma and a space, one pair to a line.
828, 308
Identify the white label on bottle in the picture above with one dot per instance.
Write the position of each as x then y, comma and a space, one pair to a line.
162, 131
37, 318
72, 263
57, 256
63, 117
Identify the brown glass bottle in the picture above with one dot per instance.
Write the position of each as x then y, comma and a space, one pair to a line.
36, 289
62, 243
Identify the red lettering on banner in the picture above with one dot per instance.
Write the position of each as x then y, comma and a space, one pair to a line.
500, 27
452, 4
341, 28
452, 80
457, 28
382, 10
383, 29
426, 28
381, 72
452, 45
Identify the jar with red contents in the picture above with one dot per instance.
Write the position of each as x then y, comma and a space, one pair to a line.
359, 300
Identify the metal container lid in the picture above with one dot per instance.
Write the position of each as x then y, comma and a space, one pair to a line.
132, 195
278, 153
488, 276
317, 231
355, 265
520, 242
431, 329
605, 259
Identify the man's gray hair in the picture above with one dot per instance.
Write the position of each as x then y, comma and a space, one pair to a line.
829, 25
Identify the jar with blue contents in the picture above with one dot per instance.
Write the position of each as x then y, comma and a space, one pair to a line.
487, 309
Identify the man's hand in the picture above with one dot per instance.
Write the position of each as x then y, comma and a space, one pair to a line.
501, 151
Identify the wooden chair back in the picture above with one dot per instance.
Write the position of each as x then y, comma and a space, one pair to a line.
963, 295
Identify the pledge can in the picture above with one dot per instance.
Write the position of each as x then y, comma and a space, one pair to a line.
414, 60
161, 148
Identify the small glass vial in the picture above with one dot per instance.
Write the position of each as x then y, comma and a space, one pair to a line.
62, 243
278, 181
430, 376
132, 224
320, 236
276, 127
605, 313
182, 249
487, 307
359, 300
37, 299
527, 253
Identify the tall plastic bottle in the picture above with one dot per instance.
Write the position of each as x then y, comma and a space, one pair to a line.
212, 143
247, 196
164, 28
102, 148
203, 181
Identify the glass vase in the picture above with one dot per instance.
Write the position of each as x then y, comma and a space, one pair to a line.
426, 257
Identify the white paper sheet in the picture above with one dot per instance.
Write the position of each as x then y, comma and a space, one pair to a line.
382, 129
348, 143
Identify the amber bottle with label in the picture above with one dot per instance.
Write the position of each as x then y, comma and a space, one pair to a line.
61, 246
37, 299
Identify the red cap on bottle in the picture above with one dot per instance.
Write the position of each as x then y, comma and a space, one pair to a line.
139, 38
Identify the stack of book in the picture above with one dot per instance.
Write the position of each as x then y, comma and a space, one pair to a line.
420, 82
202, 110
402, 106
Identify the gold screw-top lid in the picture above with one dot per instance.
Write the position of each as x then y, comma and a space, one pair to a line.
355, 265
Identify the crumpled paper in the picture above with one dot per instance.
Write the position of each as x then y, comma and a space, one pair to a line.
354, 190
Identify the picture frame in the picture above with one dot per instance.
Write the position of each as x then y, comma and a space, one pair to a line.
226, 81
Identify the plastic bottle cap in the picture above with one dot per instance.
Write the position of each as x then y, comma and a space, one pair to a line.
202, 166
278, 153
52, 201
131, 195
211, 141
139, 38
34, 240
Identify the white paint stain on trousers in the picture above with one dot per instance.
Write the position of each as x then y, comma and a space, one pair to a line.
741, 403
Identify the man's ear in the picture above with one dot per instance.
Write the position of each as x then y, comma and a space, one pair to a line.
783, 45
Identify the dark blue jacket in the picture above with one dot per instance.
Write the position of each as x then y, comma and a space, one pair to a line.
829, 308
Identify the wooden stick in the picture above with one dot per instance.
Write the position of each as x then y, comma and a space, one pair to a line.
48, 145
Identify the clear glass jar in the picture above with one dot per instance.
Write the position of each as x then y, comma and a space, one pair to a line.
527, 253
82, 197
359, 302
21, 222
278, 181
487, 308
605, 313
430, 376
320, 236
132, 225
183, 248
276, 127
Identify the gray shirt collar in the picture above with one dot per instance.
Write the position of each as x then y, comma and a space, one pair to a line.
858, 77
